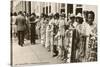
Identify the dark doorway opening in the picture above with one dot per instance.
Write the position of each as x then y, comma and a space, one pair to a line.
78, 10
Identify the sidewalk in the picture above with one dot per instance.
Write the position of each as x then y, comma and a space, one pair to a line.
32, 54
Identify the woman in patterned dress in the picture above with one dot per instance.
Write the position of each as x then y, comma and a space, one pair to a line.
90, 29
43, 29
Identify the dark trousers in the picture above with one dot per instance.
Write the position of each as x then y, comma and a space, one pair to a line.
21, 37
33, 31
32, 37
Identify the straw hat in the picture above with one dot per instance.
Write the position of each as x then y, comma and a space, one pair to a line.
63, 14
79, 15
72, 15
50, 14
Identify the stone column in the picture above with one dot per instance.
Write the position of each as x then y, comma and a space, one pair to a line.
32, 7
74, 9
53, 8
48, 7
66, 9
45, 7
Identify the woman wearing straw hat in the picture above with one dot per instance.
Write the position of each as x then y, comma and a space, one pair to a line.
71, 21
80, 42
68, 37
61, 25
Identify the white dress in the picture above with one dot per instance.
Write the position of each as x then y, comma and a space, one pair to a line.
47, 44
43, 32
14, 27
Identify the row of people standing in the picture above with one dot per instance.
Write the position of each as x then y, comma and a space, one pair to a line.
56, 31
66, 38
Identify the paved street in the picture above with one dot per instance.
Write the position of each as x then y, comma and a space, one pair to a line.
31, 54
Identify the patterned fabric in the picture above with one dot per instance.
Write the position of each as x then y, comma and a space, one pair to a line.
43, 31
68, 44
61, 27
92, 47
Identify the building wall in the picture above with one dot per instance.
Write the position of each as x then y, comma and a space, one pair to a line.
19, 7
37, 7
